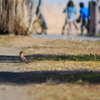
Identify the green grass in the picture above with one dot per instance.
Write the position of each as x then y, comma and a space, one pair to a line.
65, 58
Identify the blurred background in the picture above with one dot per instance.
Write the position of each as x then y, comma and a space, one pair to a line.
36, 12
52, 11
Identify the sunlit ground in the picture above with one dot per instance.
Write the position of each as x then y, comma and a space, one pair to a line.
57, 69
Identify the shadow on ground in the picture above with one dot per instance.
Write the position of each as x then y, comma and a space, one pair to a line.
41, 57
9, 59
56, 77
50, 76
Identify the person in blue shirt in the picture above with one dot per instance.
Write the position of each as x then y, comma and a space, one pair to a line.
83, 17
70, 11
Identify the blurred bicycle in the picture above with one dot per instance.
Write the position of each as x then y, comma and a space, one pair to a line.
39, 25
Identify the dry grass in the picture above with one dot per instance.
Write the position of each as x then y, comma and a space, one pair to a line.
58, 70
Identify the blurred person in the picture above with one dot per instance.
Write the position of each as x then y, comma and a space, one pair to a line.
83, 17
70, 11
40, 19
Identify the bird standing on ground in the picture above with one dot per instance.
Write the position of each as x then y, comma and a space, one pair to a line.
22, 57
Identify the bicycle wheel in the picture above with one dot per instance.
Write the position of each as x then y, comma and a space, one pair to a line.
37, 26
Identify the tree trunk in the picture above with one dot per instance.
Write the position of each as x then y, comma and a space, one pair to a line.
17, 16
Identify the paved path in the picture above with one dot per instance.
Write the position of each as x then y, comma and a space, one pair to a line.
68, 37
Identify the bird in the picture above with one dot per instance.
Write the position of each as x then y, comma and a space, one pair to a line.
22, 57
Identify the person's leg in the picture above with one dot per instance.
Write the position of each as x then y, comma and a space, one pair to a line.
86, 25
75, 25
64, 27
82, 27
69, 27
44, 28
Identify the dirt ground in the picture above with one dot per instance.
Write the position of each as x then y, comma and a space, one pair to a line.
49, 73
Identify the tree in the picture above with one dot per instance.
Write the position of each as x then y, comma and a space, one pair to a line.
17, 16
